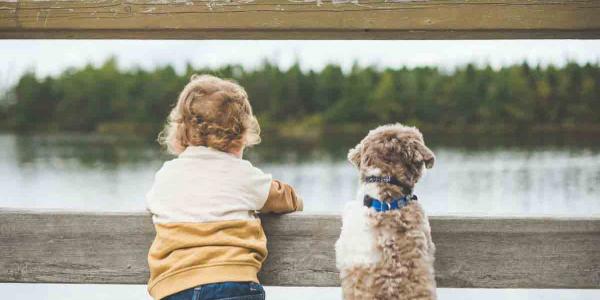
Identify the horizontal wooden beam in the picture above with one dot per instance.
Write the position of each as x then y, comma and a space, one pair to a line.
70, 247
300, 19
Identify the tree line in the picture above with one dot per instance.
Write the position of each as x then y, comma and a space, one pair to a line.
516, 96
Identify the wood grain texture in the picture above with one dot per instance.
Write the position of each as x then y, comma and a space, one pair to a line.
72, 247
300, 19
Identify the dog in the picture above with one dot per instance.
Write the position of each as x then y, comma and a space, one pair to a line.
385, 250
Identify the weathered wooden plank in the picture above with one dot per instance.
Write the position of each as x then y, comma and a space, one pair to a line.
70, 247
300, 19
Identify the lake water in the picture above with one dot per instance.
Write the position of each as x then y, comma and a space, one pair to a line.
86, 172
473, 175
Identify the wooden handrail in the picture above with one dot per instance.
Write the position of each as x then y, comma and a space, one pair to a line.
290, 19
83, 247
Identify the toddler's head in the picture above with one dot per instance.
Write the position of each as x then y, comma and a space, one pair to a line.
211, 112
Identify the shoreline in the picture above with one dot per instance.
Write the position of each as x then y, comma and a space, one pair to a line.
300, 130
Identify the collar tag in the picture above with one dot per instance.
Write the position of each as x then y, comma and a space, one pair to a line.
386, 179
407, 189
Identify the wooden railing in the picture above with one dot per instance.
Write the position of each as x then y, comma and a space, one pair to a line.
79, 247
303, 19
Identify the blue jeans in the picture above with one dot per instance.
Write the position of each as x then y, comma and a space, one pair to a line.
222, 291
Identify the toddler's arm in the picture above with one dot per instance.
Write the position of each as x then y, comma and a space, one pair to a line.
282, 199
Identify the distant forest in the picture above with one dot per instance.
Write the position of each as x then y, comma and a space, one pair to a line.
516, 97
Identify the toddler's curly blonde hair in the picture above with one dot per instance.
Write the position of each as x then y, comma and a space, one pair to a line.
210, 112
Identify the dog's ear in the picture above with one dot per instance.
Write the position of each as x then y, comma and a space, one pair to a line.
422, 154
354, 155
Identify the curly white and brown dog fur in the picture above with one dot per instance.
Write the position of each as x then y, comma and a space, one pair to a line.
387, 255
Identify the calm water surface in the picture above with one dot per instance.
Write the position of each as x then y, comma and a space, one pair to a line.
87, 172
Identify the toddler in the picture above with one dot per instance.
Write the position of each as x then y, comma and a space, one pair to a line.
209, 243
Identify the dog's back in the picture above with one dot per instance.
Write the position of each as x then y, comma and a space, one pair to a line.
386, 255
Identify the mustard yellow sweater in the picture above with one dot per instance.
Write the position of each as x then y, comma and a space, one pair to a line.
203, 205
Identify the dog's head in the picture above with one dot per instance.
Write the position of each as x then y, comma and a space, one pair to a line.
393, 150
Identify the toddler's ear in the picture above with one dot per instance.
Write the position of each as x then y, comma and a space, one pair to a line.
354, 155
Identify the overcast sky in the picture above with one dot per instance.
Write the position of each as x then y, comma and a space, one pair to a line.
49, 57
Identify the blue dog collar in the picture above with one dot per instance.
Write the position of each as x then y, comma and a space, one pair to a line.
383, 206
